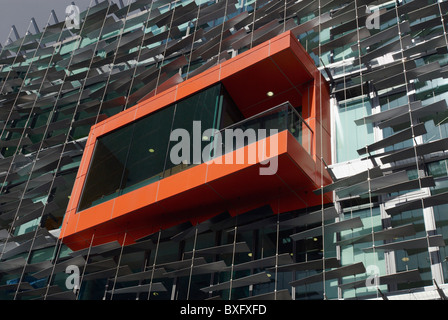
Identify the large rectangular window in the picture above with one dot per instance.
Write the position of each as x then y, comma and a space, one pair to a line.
107, 167
178, 137
137, 154
147, 151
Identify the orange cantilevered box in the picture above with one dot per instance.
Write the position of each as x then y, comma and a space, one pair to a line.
280, 65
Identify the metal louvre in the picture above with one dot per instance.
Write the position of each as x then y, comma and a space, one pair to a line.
390, 279
332, 274
329, 228
407, 134
108, 273
418, 243
60, 267
100, 249
278, 295
144, 275
40, 291
309, 265
206, 268
419, 150
422, 182
311, 218
177, 265
375, 172
240, 282
381, 72
280, 260
386, 234
433, 200
381, 51
374, 184
156, 286
416, 113
224, 249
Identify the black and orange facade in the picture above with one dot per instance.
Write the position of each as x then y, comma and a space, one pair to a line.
114, 162
198, 193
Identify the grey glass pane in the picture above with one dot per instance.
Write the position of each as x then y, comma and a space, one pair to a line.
193, 116
349, 270
250, 130
140, 153
147, 151
277, 295
107, 167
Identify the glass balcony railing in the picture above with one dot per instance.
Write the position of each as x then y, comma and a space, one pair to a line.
262, 125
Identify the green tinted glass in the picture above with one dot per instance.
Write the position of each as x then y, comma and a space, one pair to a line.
107, 167
148, 148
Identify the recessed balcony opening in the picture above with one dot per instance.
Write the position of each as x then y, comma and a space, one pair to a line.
144, 152
138, 153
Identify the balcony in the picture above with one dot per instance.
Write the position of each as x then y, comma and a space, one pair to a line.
277, 119
119, 166
187, 155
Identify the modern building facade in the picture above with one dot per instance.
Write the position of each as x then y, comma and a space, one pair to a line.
118, 183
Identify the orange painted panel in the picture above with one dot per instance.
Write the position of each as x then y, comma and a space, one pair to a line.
326, 146
291, 95
86, 158
288, 62
95, 131
256, 89
155, 103
119, 120
235, 190
307, 101
325, 115
246, 187
322, 102
182, 181
193, 205
239, 159
76, 193
303, 56
288, 201
69, 224
243, 61
90, 217
198, 82
135, 200
280, 43
76, 242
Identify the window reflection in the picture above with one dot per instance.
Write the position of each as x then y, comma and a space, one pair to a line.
145, 151
137, 154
